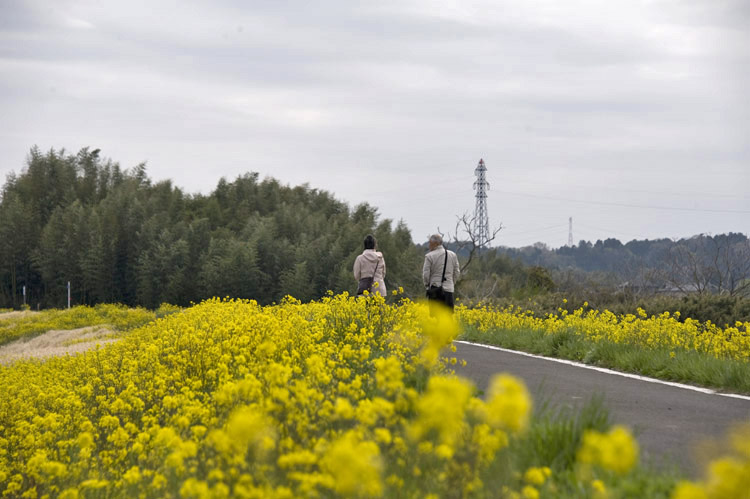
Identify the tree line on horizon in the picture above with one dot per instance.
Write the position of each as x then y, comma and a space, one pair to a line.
118, 236
701, 264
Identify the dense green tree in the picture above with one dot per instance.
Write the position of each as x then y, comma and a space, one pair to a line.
230, 268
96, 269
296, 282
19, 236
59, 255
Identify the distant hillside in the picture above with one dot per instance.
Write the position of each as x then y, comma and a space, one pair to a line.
702, 263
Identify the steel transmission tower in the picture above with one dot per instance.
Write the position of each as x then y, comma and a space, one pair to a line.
570, 232
481, 218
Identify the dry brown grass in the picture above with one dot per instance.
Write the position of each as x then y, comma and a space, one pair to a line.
55, 343
15, 314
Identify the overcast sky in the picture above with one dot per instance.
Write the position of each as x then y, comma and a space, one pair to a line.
630, 116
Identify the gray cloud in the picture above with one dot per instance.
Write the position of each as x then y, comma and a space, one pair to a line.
608, 112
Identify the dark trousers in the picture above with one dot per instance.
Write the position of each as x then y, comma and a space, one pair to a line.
447, 300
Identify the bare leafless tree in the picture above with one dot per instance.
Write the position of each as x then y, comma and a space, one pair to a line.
705, 264
733, 266
484, 288
642, 280
466, 224
686, 268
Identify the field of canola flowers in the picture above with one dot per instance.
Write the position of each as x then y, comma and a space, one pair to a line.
662, 331
343, 397
663, 346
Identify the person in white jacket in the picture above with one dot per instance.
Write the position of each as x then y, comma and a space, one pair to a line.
440, 272
371, 264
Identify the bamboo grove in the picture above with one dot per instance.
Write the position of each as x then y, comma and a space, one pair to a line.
117, 236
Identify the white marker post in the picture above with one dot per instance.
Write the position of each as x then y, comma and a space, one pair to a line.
24, 295
68, 294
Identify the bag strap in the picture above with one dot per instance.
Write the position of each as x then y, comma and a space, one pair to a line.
444, 265
376, 269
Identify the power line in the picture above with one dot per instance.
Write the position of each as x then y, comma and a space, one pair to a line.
410, 188
626, 205
590, 187
532, 231
451, 163
618, 232
531, 240
458, 179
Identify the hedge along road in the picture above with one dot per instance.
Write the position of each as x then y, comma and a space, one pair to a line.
670, 420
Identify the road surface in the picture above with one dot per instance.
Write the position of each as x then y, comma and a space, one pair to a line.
669, 421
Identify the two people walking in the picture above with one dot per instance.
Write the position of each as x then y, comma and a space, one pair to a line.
439, 272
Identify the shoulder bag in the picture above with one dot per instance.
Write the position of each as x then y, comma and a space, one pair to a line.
365, 284
437, 292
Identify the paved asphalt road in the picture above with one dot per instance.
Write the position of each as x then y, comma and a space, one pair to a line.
668, 421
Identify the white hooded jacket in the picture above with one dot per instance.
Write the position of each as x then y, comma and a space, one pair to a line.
364, 266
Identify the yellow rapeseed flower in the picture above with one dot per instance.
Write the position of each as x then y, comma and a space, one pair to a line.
688, 490
535, 476
442, 408
508, 404
616, 450
354, 465
600, 490
529, 492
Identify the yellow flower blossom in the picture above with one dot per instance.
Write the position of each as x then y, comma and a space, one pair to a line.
535, 476
133, 475
509, 403
355, 466
440, 328
600, 490
529, 492
442, 408
688, 490
388, 375
616, 450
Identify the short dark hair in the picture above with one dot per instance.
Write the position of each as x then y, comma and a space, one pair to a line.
369, 242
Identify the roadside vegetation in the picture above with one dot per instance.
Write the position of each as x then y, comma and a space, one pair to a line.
660, 346
722, 310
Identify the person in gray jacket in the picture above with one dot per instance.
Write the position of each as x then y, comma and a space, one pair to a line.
440, 288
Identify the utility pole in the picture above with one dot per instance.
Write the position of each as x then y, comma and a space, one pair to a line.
570, 232
481, 217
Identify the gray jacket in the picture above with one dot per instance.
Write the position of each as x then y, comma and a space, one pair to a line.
432, 271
